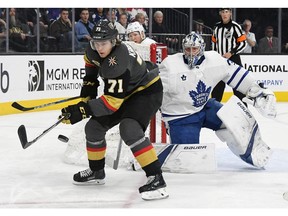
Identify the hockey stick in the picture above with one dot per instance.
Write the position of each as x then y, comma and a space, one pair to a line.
111, 162
23, 135
22, 108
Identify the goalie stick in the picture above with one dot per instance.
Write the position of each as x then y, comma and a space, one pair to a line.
23, 135
18, 106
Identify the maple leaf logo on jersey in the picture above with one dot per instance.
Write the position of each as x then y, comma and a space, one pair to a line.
112, 61
200, 96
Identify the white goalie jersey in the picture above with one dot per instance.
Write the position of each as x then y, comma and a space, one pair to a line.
186, 91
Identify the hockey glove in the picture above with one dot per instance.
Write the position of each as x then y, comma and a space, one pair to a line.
76, 113
89, 87
263, 100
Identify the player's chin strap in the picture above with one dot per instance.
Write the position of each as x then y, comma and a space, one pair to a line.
262, 99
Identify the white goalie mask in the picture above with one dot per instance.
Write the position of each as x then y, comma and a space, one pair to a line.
193, 48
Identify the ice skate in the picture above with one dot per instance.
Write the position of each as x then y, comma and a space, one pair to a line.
154, 189
89, 177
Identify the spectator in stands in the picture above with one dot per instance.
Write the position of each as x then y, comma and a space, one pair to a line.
121, 26
200, 29
53, 13
159, 27
2, 27
120, 11
47, 43
61, 29
83, 28
199, 26
44, 23
20, 37
123, 20
285, 48
99, 15
134, 11
269, 43
111, 16
136, 33
250, 36
228, 40
140, 17
28, 16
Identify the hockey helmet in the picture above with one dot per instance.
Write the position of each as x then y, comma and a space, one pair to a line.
189, 43
104, 30
136, 27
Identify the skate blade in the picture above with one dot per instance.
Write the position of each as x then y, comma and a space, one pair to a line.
155, 195
91, 182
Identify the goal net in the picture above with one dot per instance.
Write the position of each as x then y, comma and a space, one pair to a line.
76, 147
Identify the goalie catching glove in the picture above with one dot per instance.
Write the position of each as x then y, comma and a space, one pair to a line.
76, 113
262, 99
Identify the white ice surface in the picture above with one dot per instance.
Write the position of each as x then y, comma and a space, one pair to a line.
36, 178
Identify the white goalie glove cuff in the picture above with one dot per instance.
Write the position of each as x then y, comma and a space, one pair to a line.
263, 100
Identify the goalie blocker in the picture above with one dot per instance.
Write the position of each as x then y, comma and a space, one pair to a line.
242, 133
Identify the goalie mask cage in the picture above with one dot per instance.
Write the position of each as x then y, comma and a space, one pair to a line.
76, 148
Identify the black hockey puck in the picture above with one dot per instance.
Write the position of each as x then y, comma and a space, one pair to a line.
63, 138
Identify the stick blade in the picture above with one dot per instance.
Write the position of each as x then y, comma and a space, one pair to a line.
19, 107
23, 136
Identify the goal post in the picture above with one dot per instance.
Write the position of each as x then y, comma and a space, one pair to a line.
156, 52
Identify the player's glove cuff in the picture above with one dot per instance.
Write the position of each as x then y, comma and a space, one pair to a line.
77, 112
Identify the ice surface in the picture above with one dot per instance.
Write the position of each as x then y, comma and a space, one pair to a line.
37, 178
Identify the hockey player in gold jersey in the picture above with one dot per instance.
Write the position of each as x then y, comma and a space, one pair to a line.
132, 95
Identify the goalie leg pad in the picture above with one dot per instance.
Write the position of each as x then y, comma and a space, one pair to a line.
184, 158
189, 158
242, 133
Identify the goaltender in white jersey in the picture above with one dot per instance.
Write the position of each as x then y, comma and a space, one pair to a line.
188, 80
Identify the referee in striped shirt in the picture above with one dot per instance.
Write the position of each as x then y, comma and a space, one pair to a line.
229, 40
